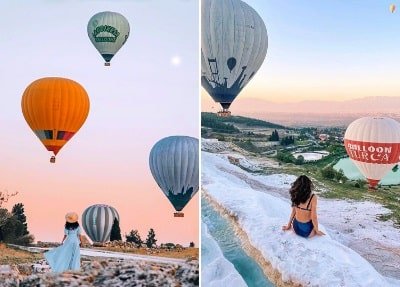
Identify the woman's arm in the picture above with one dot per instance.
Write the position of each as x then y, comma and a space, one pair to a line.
289, 225
62, 241
314, 216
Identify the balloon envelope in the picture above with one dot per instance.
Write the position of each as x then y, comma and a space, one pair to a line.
108, 32
392, 8
55, 109
174, 164
234, 44
373, 144
97, 221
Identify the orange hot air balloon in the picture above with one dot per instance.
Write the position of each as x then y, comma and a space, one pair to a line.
55, 109
392, 8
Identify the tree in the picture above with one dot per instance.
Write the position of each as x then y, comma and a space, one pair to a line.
13, 226
285, 157
287, 141
328, 172
360, 183
12, 232
274, 136
4, 215
191, 244
299, 160
115, 231
151, 238
134, 237
340, 176
19, 213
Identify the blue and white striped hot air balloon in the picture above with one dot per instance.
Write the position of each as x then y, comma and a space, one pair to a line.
108, 32
234, 44
97, 221
174, 163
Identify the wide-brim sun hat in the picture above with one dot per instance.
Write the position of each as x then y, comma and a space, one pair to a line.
71, 217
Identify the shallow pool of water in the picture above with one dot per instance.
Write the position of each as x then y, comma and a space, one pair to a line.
222, 232
352, 172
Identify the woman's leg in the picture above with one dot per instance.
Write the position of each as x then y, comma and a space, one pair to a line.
312, 233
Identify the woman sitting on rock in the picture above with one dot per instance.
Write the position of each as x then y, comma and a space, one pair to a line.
67, 256
304, 217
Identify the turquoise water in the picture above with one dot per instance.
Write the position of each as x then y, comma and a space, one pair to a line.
222, 232
352, 172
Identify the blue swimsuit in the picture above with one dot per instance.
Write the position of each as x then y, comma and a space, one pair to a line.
303, 228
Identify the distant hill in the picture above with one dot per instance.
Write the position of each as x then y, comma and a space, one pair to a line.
381, 104
207, 119
312, 113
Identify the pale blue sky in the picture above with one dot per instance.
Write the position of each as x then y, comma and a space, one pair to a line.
326, 49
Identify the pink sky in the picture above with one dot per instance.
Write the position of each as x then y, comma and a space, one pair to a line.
144, 96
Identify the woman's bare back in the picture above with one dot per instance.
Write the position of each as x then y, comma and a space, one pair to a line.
303, 210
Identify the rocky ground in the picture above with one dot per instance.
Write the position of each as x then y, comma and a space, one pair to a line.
102, 272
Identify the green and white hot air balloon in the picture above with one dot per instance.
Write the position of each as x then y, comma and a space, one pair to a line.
108, 32
174, 163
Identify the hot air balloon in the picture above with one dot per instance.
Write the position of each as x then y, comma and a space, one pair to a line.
234, 44
108, 32
373, 144
392, 8
174, 163
55, 109
97, 221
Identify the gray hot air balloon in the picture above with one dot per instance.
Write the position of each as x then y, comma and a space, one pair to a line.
234, 44
97, 221
108, 32
174, 163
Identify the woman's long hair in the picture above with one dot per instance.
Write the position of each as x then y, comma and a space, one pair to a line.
71, 226
300, 190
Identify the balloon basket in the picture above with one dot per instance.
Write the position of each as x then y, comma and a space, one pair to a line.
107, 64
179, 214
53, 159
224, 114
372, 185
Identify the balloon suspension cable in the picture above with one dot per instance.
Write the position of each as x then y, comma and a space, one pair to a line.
107, 64
179, 214
53, 159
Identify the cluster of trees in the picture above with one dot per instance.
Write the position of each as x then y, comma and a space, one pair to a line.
287, 141
240, 120
337, 149
218, 126
287, 157
13, 226
274, 137
133, 236
330, 173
